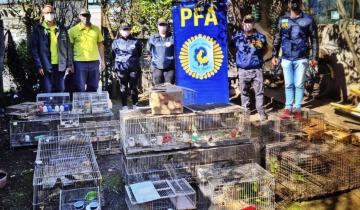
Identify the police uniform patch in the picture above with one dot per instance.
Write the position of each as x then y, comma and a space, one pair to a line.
167, 44
132, 47
284, 23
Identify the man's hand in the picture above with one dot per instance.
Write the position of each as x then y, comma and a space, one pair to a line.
313, 63
70, 69
41, 72
102, 66
275, 61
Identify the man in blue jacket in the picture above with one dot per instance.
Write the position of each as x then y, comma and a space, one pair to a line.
251, 46
296, 34
127, 51
51, 51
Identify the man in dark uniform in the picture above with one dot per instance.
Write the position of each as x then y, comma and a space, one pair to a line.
251, 46
128, 51
296, 34
161, 48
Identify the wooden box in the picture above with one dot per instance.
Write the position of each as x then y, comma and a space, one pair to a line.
166, 99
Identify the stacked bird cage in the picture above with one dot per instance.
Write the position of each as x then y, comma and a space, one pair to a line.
23, 111
311, 127
83, 198
246, 186
63, 164
174, 194
181, 164
28, 133
142, 132
304, 170
91, 102
69, 120
50, 103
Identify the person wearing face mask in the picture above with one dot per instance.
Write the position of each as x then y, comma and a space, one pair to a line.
51, 51
127, 50
296, 35
251, 46
161, 48
88, 48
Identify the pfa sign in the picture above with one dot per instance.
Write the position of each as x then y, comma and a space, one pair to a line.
200, 33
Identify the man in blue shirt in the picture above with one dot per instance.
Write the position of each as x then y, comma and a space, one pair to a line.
251, 46
296, 35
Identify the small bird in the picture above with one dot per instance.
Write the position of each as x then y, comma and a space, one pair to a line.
202, 60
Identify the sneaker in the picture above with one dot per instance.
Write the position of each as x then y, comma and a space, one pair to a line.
298, 115
286, 114
125, 108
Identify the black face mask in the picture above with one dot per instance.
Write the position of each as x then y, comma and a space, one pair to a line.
295, 5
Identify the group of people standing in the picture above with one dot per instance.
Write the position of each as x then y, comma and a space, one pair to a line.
80, 51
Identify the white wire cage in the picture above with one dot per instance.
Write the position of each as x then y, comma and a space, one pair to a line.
174, 194
91, 102
142, 132
246, 186
104, 135
311, 127
304, 170
50, 103
68, 120
63, 164
29, 132
83, 198
181, 164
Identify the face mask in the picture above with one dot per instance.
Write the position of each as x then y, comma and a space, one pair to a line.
49, 17
248, 26
85, 20
162, 29
124, 33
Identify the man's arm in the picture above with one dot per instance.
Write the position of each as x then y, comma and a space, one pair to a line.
314, 44
70, 54
102, 55
277, 40
35, 53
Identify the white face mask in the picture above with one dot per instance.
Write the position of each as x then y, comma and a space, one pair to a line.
49, 17
85, 20
248, 27
162, 29
124, 33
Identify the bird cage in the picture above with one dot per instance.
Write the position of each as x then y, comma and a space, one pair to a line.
304, 170
63, 164
23, 111
83, 198
50, 103
311, 127
235, 187
181, 164
142, 132
68, 120
91, 102
160, 195
28, 133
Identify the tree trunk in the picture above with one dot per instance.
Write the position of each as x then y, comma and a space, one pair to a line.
2, 52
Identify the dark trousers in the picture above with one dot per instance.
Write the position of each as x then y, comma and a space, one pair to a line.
128, 79
86, 73
161, 76
53, 82
252, 78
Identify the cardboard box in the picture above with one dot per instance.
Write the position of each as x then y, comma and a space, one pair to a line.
166, 99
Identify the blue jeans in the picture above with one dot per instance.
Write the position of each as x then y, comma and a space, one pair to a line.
294, 75
86, 73
53, 82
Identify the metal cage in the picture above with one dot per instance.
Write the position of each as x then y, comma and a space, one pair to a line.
174, 194
63, 164
237, 186
91, 102
49, 103
22, 111
83, 198
142, 132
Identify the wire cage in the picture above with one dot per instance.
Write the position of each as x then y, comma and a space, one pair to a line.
311, 127
68, 120
23, 111
142, 132
181, 164
83, 198
104, 135
304, 170
63, 164
174, 194
91, 102
49, 103
246, 186
28, 133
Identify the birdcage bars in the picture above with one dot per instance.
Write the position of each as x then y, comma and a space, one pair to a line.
83, 198
91, 102
237, 186
50, 103
142, 132
65, 164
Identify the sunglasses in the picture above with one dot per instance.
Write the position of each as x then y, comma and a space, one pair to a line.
162, 24
248, 21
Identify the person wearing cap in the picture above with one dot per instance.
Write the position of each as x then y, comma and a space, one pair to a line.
88, 47
251, 46
51, 51
127, 50
296, 34
161, 48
